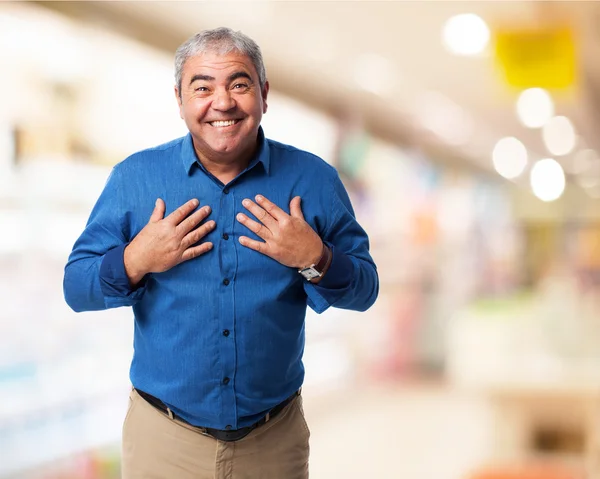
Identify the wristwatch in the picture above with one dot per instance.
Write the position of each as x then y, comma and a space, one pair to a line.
316, 270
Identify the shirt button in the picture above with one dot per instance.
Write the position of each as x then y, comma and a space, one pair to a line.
225, 281
226, 333
225, 380
228, 427
225, 236
226, 190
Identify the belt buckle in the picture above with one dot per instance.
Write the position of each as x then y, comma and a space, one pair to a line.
228, 436
223, 435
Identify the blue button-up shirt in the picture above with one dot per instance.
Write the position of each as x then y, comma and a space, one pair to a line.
220, 338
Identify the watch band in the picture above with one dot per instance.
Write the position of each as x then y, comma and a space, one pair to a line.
322, 263
318, 269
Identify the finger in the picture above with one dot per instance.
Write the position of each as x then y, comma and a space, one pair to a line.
159, 211
262, 216
181, 213
271, 208
196, 235
255, 245
295, 209
257, 228
193, 220
196, 251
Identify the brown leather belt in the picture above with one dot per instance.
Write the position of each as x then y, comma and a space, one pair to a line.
220, 434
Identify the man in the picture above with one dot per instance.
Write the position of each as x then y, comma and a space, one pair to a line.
219, 240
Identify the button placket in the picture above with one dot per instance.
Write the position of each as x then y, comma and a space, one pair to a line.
227, 307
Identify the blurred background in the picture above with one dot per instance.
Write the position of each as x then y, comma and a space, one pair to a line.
466, 134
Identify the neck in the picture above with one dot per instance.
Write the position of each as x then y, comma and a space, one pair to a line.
225, 169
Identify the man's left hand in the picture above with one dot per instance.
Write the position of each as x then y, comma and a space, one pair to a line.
288, 239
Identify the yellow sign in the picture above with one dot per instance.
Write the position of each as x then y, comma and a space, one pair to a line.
537, 58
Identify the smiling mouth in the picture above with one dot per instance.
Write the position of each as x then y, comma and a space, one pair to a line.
222, 124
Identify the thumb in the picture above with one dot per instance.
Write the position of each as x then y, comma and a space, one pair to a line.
159, 211
295, 209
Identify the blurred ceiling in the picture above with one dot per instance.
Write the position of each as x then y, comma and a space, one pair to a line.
383, 60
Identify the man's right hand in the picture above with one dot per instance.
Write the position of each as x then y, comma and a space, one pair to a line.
166, 242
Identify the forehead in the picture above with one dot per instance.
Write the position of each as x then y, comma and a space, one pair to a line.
217, 65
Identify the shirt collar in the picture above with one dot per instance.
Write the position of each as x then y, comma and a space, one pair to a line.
189, 158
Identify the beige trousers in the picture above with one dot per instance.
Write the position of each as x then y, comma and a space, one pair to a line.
157, 447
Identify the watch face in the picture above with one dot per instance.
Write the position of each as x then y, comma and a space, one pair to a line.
310, 273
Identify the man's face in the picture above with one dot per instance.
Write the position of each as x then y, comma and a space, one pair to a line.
222, 104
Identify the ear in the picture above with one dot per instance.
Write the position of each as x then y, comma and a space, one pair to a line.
264, 93
179, 102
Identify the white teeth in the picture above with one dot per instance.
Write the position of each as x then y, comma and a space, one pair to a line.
223, 123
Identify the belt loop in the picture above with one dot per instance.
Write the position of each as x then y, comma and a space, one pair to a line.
170, 413
267, 417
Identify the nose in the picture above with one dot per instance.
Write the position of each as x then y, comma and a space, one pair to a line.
223, 100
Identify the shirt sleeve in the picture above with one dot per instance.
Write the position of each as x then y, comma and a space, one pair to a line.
95, 277
351, 281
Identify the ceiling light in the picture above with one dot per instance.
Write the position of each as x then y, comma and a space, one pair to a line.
509, 157
559, 136
547, 179
465, 34
535, 107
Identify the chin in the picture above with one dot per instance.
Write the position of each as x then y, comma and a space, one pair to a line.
228, 151
227, 147
231, 145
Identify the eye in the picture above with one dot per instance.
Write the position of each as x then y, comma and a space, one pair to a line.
239, 86
201, 88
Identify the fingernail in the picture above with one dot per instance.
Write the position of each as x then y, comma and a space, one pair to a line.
207, 209
259, 198
195, 202
240, 216
246, 202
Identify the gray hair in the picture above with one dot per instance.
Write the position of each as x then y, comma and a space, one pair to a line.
220, 41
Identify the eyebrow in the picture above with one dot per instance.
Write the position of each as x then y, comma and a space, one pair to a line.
201, 77
234, 76
240, 74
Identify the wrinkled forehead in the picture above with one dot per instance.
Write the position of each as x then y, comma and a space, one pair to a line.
217, 64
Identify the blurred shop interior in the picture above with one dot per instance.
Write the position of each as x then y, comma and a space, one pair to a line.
466, 135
